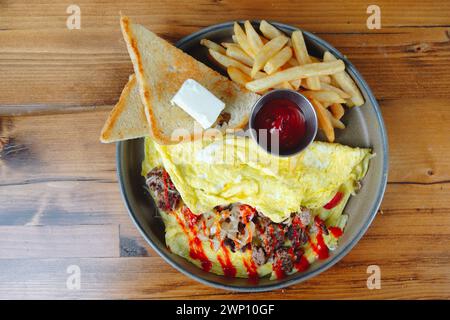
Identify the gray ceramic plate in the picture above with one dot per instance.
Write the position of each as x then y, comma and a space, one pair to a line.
365, 128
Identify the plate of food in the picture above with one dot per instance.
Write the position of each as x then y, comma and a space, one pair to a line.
250, 155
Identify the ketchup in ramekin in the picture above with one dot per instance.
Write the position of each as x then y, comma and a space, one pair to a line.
287, 116
284, 116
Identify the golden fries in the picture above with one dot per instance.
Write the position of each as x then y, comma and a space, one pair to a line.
236, 53
337, 110
298, 43
212, 45
253, 37
268, 51
227, 45
238, 76
269, 31
241, 39
278, 60
345, 82
226, 62
336, 123
284, 85
295, 73
293, 62
329, 87
324, 96
296, 84
268, 59
323, 120
324, 79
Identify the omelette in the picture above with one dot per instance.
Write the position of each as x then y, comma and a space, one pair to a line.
233, 209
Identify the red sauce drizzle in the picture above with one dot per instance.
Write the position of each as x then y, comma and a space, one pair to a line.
191, 218
335, 201
227, 266
320, 248
251, 270
302, 264
277, 268
196, 251
273, 236
247, 212
335, 231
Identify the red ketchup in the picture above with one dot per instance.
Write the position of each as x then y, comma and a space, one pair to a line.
335, 201
285, 116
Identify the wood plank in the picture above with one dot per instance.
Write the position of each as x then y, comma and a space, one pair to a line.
418, 135
408, 270
43, 65
59, 241
340, 16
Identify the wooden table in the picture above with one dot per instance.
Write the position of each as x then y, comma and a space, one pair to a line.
59, 198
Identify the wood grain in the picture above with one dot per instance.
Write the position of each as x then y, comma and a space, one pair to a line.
59, 241
45, 66
59, 199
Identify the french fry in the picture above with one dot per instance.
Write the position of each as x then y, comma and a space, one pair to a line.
329, 87
284, 85
234, 38
324, 79
337, 110
336, 123
267, 52
212, 45
253, 37
293, 62
241, 39
278, 60
226, 62
314, 59
324, 96
345, 82
269, 31
296, 84
301, 53
227, 45
237, 53
323, 119
295, 73
238, 76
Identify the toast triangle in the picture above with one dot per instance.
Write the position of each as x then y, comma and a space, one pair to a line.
161, 69
127, 120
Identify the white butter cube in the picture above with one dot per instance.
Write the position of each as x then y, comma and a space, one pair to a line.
198, 102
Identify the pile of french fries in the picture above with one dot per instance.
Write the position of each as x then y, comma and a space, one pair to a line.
272, 60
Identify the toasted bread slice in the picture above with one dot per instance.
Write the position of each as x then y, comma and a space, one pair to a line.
161, 69
127, 120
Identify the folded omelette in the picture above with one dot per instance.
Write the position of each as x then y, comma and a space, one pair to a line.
235, 210
235, 169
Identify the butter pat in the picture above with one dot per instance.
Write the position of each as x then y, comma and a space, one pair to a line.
198, 102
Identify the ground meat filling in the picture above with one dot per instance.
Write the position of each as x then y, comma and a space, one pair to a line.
241, 227
167, 196
284, 260
280, 242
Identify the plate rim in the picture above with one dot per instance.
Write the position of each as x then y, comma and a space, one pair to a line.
326, 265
